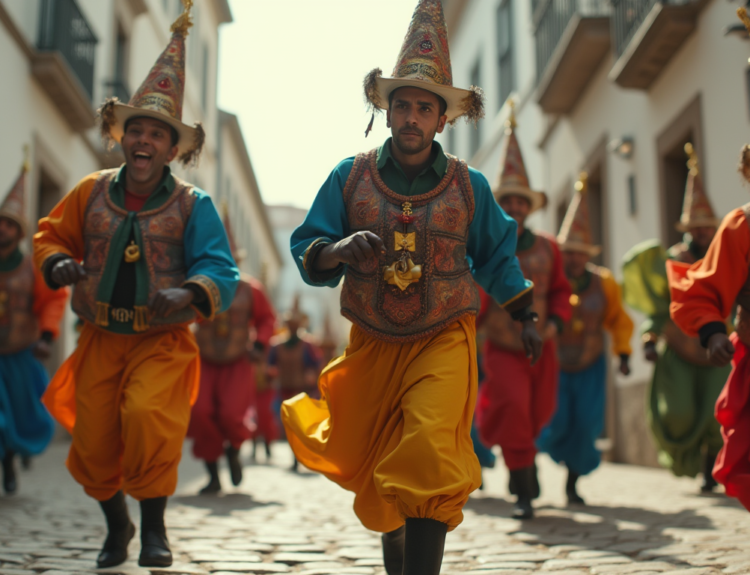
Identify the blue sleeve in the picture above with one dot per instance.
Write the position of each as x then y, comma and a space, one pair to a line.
492, 246
208, 257
325, 222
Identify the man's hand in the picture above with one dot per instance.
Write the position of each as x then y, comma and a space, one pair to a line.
625, 364
168, 301
550, 330
532, 341
649, 351
357, 248
41, 350
68, 272
720, 349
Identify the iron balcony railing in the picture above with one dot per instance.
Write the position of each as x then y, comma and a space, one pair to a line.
551, 18
628, 16
63, 28
118, 89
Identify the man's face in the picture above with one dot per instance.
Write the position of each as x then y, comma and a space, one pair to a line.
702, 236
414, 119
293, 326
575, 263
10, 232
517, 207
147, 145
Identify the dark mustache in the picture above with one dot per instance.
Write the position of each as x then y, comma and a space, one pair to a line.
414, 131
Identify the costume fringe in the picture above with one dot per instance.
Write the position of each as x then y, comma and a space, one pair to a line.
106, 118
742, 14
190, 158
473, 106
140, 320
744, 166
102, 314
184, 21
545, 200
372, 94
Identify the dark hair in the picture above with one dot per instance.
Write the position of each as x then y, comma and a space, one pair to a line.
172, 131
442, 103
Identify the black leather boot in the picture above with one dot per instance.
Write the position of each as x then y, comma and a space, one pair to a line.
536, 489
523, 481
120, 530
393, 551
424, 545
155, 551
235, 467
10, 483
709, 483
570, 489
214, 483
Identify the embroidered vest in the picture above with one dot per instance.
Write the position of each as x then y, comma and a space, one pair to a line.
162, 230
536, 264
293, 375
227, 337
688, 348
18, 324
435, 237
582, 340
742, 319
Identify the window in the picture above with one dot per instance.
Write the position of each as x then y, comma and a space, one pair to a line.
476, 132
506, 65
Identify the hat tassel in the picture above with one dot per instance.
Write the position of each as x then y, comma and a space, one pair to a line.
184, 21
369, 126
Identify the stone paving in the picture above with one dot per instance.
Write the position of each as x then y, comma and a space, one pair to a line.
639, 521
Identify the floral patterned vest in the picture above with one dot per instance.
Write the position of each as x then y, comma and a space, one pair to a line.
227, 337
423, 282
582, 340
18, 324
162, 230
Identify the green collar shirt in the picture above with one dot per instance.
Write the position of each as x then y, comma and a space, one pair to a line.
394, 177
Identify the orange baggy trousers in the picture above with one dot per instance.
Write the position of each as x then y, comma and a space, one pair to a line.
126, 400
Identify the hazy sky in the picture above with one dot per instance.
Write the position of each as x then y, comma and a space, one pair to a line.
292, 70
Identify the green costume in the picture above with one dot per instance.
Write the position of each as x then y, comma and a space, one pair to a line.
685, 387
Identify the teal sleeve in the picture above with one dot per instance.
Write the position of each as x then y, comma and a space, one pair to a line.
325, 222
208, 257
492, 246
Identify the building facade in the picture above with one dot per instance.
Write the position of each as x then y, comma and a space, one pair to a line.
62, 58
615, 88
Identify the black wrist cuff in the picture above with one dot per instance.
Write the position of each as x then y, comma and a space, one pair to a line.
624, 357
525, 314
323, 276
257, 346
559, 324
710, 329
47, 337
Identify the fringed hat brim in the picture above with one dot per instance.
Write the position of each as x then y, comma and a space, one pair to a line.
538, 200
684, 227
22, 223
469, 103
114, 116
569, 246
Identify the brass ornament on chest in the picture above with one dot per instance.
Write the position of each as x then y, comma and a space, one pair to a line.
132, 253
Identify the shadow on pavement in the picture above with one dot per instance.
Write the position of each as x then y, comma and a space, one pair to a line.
222, 505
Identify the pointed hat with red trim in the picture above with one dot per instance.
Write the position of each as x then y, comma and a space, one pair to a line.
160, 96
696, 209
513, 180
425, 63
237, 253
14, 204
575, 233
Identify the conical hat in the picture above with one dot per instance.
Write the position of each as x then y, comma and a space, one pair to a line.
425, 63
14, 204
160, 96
295, 314
696, 209
513, 180
575, 233
237, 253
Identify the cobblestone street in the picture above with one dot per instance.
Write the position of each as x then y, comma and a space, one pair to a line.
639, 520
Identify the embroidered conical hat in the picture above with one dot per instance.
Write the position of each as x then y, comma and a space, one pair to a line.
696, 209
14, 204
237, 253
575, 233
513, 180
425, 62
160, 96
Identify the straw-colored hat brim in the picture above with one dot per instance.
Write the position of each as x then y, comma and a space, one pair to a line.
684, 227
454, 97
589, 249
188, 135
538, 200
22, 223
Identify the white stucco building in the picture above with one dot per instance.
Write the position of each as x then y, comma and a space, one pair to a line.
591, 74
59, 60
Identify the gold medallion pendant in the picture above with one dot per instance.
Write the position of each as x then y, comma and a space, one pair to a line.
132, 253
404, 272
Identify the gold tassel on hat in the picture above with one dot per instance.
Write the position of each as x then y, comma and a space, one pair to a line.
184, 21
102, 314
141, 319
